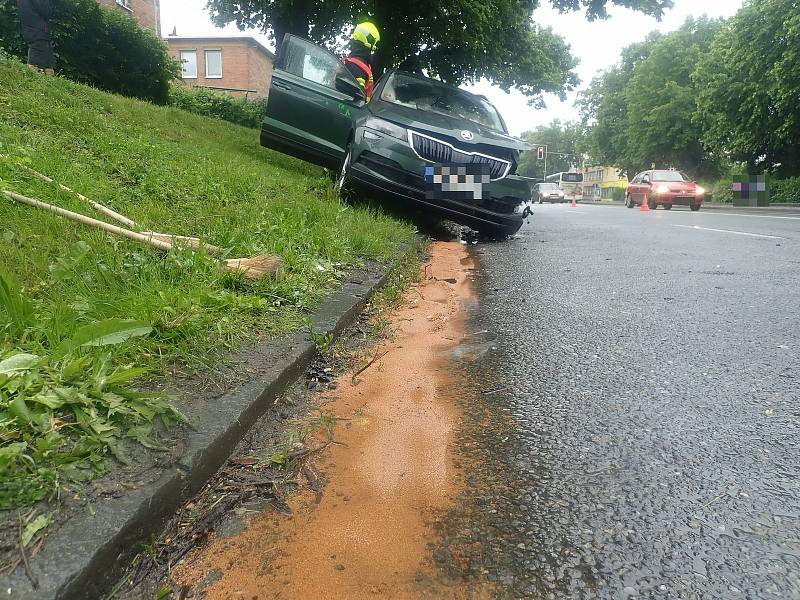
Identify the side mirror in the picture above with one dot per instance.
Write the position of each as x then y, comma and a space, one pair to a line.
349, 87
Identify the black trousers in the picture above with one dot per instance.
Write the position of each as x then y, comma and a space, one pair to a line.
40, 54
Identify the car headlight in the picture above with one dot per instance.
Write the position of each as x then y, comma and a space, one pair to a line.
387, 128
699, 190
662, 189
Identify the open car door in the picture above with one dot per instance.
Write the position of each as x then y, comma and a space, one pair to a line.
312, 100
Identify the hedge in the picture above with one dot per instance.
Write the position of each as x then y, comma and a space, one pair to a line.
723, 191
209, 103
784, 190
103, 48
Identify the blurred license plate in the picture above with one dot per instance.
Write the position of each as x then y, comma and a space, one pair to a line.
456, 182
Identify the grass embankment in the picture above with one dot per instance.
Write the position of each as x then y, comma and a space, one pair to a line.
84, 314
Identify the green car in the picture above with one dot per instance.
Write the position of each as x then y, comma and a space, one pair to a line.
418, 141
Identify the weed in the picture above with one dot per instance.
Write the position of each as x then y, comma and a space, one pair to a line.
322, 341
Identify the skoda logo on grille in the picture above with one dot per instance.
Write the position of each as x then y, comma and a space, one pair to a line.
467, 135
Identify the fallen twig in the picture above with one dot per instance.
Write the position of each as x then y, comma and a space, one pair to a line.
28, 570
375, 359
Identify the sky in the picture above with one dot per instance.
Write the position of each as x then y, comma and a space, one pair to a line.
597, 45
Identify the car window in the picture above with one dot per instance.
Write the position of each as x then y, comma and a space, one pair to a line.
637, 178
309, 61
432, 96
646, 178
548, 187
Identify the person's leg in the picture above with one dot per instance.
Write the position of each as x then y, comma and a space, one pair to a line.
40, 56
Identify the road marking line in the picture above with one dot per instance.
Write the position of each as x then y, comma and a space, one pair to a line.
724, 214
758, 235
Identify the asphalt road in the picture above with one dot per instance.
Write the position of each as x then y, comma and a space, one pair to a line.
645, 370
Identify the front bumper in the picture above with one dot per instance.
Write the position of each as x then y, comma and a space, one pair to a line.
679, 199
387, 165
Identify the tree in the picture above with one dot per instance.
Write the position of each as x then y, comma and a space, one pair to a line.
749, 85
643, 110
564, 142
604, 108
662, 102
458, 41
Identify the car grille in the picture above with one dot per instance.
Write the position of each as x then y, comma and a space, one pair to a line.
433, 150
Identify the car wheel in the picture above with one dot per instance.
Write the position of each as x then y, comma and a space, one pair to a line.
343, 178
668, 207
695, 207
630, 202
652, 204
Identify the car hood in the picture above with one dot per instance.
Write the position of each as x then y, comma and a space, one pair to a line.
445, 125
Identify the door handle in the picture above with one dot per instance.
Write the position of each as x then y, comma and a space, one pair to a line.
281, 85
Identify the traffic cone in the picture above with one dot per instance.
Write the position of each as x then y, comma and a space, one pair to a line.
574, 200
645, 207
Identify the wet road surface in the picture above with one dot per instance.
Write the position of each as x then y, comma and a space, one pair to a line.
635, 406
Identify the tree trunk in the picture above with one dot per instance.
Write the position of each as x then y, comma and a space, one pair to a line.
294, 19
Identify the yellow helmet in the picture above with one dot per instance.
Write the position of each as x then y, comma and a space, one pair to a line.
367, 34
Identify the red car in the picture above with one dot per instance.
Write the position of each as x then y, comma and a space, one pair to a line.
665, 188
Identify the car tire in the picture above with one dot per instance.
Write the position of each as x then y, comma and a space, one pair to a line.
341, 185
630, 202
668, 207
695, 207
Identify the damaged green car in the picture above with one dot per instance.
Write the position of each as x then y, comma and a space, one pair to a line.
418, 140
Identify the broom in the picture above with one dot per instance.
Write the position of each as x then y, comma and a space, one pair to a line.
164, 237
253, 268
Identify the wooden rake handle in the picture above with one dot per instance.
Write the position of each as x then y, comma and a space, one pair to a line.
95, 205
192, 242
78, 218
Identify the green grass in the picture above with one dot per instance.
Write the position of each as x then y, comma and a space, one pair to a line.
172, 172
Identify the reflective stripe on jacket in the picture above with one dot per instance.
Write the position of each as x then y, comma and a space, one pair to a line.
366, 79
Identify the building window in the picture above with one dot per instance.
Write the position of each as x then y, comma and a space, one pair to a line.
189, 64
126, 4
214, 64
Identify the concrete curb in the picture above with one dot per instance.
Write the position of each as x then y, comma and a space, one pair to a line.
87, 555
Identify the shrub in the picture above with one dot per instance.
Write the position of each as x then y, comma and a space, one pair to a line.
103, 48
722, 191
209, 103
618, 194
784, 190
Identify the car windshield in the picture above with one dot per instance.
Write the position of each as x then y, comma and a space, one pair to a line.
548, 187
669, 176
432, 96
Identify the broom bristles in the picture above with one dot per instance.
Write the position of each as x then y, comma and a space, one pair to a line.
256, 267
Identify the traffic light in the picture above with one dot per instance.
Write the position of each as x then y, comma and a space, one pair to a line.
540, 152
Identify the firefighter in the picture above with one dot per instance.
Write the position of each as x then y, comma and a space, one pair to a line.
360, 61
35, 15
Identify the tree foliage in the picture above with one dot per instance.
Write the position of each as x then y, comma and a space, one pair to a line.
103, 48
749, 86
459, 41
642, 110
564, 141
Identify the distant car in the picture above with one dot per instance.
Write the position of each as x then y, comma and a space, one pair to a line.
666, 188
548, 192
418, 140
